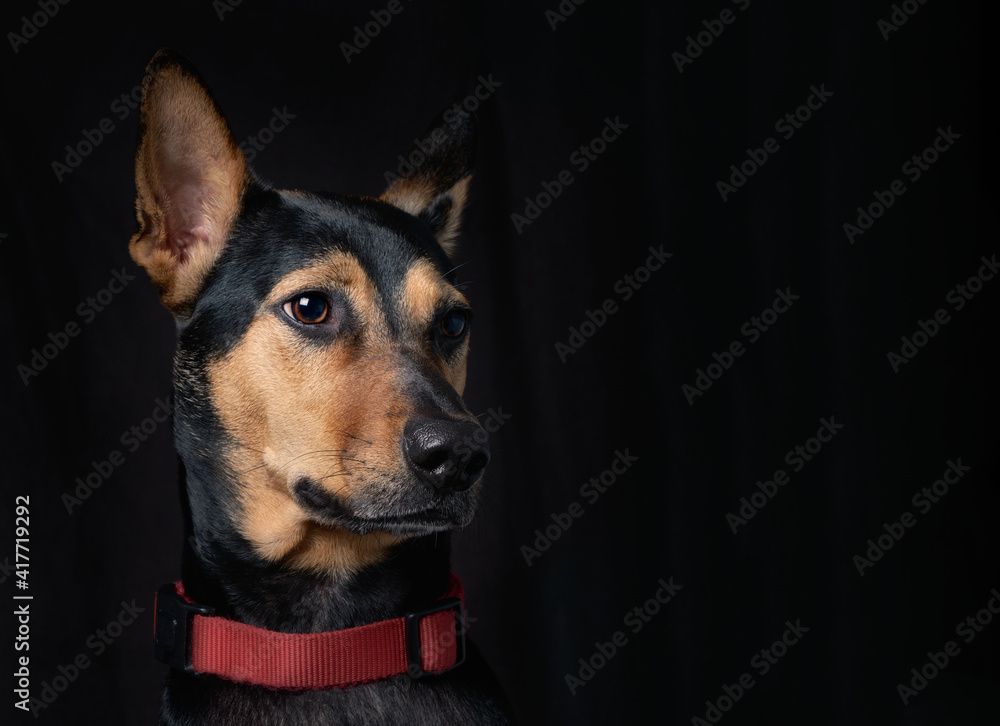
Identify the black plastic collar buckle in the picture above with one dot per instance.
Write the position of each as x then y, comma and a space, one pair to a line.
413, 654
172, 625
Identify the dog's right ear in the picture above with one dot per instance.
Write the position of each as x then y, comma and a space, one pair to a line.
437, 188
190, 177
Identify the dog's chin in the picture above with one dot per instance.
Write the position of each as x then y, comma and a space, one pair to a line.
441, 514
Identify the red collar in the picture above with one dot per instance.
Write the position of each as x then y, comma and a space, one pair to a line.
191, 638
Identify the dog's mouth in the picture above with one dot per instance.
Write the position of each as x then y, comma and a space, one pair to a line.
438, 516
426, 522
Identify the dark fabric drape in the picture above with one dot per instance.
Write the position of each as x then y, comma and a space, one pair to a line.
736, 291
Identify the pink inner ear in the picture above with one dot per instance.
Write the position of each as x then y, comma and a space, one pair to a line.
187, 223
183, 242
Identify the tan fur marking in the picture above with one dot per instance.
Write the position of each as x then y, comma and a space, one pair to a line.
412, 194
281, 530
424, 292
332, 414
415, 193
447, 236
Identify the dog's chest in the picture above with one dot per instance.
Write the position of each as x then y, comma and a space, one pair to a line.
396, 702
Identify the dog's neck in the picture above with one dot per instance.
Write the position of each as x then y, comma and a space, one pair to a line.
221, 570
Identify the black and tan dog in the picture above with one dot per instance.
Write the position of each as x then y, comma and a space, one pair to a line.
326, 450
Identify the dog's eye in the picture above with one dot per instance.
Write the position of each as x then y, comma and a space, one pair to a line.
309, 308
454, 322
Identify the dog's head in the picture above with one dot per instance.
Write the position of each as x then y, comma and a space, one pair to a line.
322, 343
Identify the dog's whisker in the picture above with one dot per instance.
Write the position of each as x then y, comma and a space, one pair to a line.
346, 458
331, 476
319, 452
252, 468
357, 438
453, 269
331, 453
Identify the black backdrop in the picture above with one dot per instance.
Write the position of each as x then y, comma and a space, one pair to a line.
888, 92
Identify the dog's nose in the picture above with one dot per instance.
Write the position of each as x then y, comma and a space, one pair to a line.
447, 455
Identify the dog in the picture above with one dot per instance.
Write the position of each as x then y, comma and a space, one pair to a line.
324, 446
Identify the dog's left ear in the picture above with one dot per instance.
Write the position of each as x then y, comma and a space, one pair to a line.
437, 189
